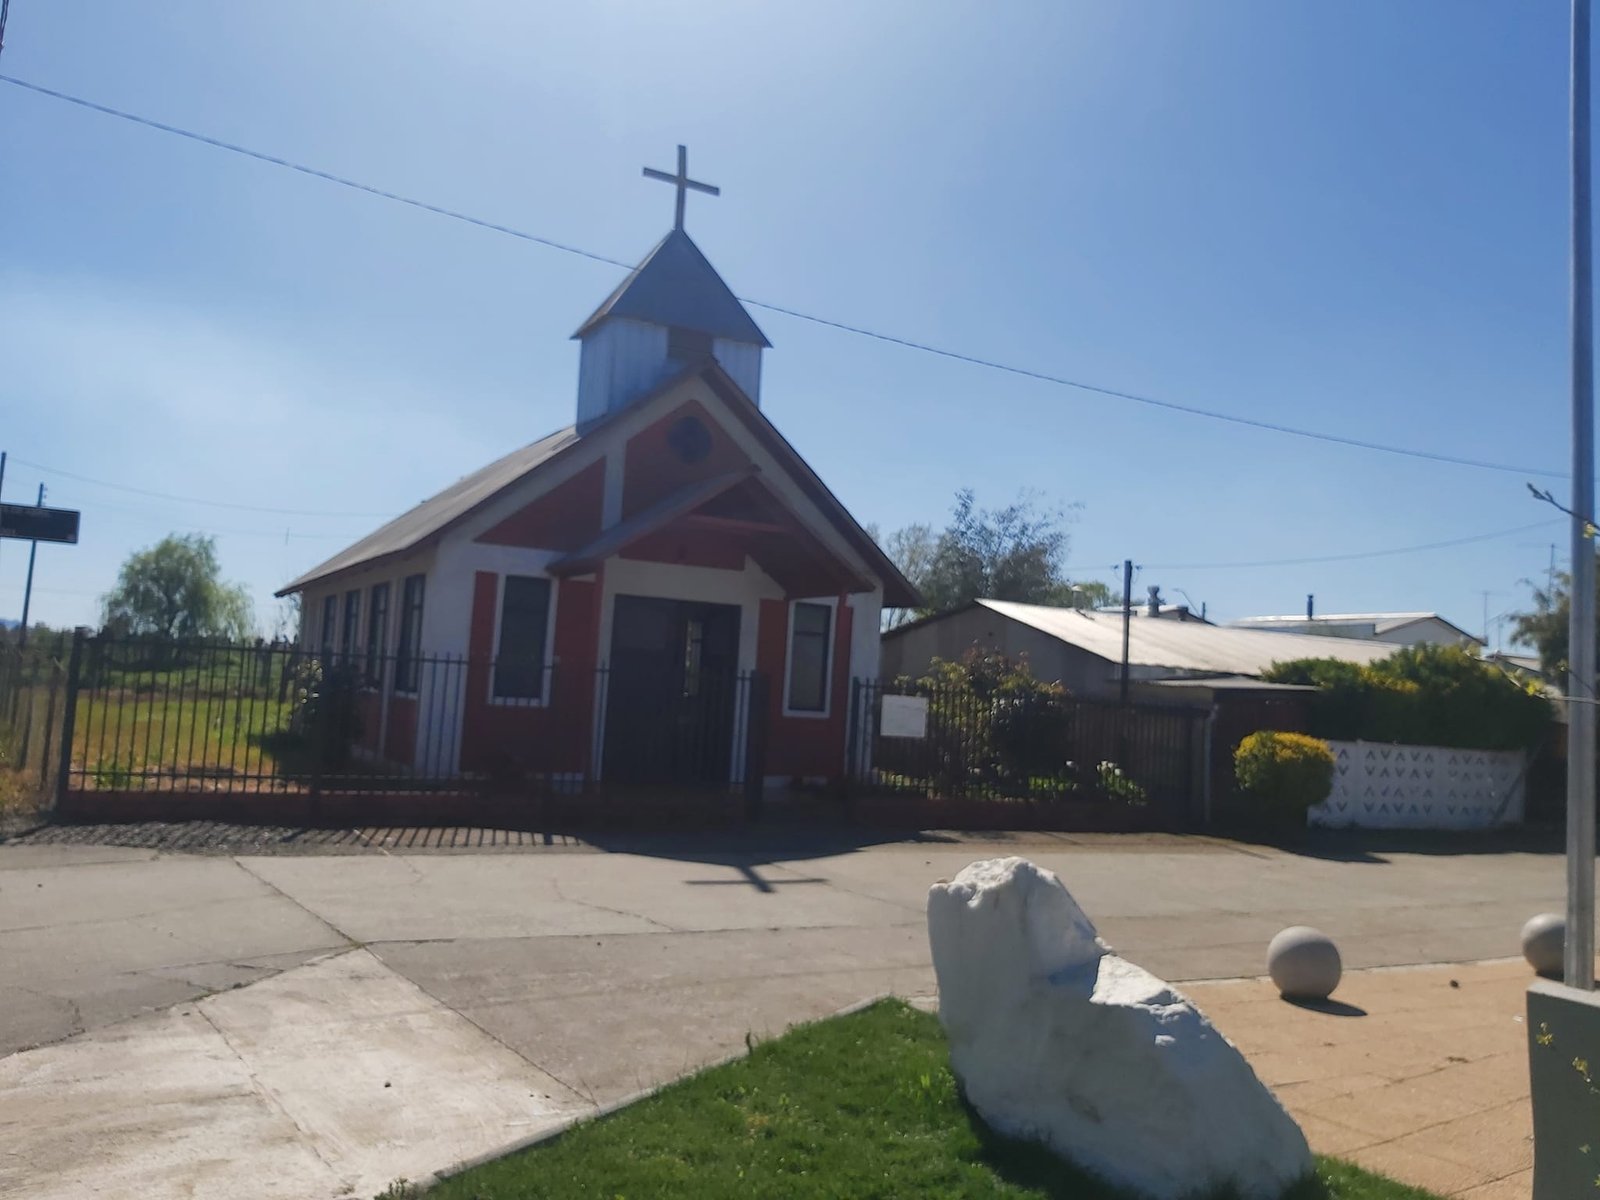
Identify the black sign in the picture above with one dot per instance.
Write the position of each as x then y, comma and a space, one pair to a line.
33, 524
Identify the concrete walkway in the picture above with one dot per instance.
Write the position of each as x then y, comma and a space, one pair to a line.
571, 977
331, 1079
1417, 1073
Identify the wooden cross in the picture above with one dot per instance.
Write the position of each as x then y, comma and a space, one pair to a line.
682, 182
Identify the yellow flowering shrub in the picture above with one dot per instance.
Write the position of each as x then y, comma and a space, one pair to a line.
1283, 774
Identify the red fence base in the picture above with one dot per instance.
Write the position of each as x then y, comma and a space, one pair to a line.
645, 810
902, 811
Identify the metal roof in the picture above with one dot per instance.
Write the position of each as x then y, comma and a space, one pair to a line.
1381, 622
676, 285
410, 529
1186, 645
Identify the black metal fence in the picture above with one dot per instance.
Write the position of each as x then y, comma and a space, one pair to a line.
953, 743
156, 715
32, 707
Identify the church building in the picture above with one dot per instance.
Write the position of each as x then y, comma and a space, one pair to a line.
662, 592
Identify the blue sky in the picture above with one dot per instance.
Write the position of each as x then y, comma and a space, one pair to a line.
1350, 217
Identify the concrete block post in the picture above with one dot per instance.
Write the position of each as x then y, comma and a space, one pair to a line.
1564, 1072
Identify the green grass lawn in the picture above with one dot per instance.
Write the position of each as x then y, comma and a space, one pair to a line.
856, 1107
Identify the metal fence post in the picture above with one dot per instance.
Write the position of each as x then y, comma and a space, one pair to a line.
755, 755
853, 716
69, 715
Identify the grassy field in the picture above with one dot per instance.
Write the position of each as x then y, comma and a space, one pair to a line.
176, 724
862, 1106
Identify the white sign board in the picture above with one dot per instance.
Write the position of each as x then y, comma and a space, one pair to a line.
904, 717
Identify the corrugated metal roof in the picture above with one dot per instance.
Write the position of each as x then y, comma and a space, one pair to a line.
1381, 622
1186, 645
676, 285
410, 529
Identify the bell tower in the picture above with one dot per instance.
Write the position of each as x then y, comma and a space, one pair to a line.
673, 311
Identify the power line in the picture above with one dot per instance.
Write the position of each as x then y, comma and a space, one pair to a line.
860, 331
1332, 558
137, 491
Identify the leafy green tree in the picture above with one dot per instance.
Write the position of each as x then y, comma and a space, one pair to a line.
1544, 628
1011, 553
174, 589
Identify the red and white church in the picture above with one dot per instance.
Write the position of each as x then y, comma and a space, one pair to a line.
640, 597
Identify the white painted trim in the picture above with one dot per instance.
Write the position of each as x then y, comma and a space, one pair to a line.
829, 646
547, 682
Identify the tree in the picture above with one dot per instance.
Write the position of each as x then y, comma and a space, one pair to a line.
174, 590
1010, 553
1545, 628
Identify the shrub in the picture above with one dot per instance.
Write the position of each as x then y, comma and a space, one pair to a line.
1283, 774
1421, 696
990, 721
327, 716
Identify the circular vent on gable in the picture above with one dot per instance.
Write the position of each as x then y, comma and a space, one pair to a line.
690, 439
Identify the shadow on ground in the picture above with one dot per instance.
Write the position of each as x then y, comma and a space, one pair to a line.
1374, 846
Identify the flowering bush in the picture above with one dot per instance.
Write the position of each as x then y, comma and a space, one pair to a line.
1283, 774
1116, 785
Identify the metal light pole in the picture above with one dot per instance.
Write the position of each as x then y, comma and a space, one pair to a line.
1578, 965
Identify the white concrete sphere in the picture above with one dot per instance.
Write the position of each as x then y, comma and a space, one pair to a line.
1544, 942
1304, 963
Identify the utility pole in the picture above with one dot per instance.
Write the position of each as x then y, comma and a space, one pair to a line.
1578, 963
1127, 620
27, 589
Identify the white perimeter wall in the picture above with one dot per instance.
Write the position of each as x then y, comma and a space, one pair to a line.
1382, 786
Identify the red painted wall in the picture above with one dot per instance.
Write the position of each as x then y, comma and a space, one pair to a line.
564, 518
803, 746
523, 738
369, 711
401, 743
690, 547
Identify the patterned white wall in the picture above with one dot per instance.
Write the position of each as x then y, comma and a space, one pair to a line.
1381, 786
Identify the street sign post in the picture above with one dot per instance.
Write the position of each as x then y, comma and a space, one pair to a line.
30, 523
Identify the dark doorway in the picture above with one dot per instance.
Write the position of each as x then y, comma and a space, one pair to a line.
673, 692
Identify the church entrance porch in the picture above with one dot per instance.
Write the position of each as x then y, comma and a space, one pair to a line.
677, 709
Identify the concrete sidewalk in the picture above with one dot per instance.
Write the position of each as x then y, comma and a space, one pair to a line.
332, 1079
1419, 1073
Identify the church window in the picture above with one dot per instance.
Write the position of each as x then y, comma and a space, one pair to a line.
377, 631
810, 627
330, 625
519, 664
407, 652
690, 439
352, 623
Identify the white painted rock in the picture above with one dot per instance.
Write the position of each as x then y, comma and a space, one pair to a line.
1544, 944
1304, 963
1057, 1040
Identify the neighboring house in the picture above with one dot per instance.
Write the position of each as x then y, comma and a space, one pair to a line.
617, 592
1400, 629
1083, 650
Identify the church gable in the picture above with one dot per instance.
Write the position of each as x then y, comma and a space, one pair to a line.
564, 518
684, 446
